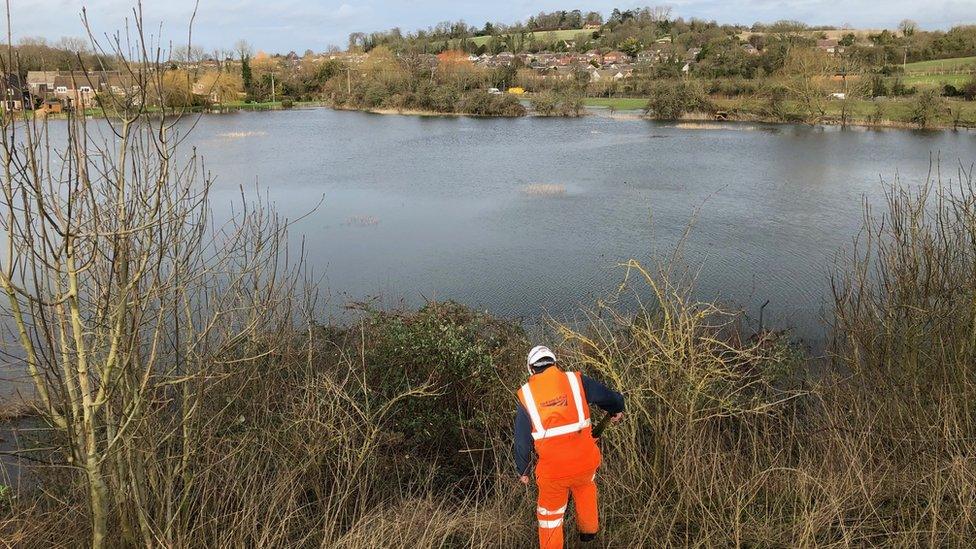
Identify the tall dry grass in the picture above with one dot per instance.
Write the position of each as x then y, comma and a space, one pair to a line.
259, 428
395, 431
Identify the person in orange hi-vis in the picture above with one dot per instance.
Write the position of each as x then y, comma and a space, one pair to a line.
553, 415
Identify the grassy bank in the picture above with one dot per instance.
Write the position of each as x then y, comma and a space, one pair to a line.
955, 64
395, 430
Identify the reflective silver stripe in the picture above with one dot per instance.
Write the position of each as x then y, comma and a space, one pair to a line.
532, 410
551, 523
562, 430
577, 394
544, 511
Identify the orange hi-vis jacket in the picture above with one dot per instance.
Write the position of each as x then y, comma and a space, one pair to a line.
560, 418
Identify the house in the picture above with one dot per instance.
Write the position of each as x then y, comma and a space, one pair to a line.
604, 75
564, 60
560, 73
40, 83
592, 26
830, 46
50, 106
15, 93
504, 58
75, 88
648, 56
615, 57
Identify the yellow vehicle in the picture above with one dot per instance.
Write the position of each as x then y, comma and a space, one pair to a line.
516, 90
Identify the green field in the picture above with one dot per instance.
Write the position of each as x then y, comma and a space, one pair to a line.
958, 64
937, 80
937, 73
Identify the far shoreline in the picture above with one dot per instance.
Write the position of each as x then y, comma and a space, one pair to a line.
697, 117
628, 114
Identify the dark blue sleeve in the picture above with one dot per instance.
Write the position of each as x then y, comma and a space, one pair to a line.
600, 395
523, 440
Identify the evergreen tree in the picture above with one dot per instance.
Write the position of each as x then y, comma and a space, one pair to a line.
246, 76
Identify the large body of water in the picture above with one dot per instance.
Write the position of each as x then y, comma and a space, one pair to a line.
416, 208
421, 208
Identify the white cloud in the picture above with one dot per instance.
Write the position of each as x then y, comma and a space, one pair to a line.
282, 25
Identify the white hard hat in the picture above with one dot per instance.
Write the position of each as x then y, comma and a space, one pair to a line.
540, 353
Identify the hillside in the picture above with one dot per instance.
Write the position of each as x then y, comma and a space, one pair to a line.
539, 36
942, 66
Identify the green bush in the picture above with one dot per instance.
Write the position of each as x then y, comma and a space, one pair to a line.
570, 104
879, 88
925, 108
672, 99
462, 355
374, 95
287, 103
444, 99
733, 87
545, 103
481, 103
567, 104
968, 90
899, 89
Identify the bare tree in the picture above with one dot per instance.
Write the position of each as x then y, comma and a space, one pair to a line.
357, 41
907, 27
125, 299
188, 54
243, 49
73, 44
805, 75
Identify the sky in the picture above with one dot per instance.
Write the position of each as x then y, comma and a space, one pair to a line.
284, 25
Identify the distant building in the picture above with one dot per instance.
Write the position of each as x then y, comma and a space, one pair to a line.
648, 56
830, 46
50, 106
615, 57
16, 95
75, 88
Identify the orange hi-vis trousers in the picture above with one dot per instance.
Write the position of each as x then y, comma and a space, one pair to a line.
553, 498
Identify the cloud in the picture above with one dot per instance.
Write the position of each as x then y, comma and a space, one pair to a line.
346, 11
283, 25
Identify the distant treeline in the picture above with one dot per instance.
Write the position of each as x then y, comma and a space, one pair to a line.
386, 81
649, 24
66, 54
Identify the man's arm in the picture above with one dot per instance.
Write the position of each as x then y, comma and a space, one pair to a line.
523, 441
600, 395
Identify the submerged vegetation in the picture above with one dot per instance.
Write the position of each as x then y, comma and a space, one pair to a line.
544, 189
